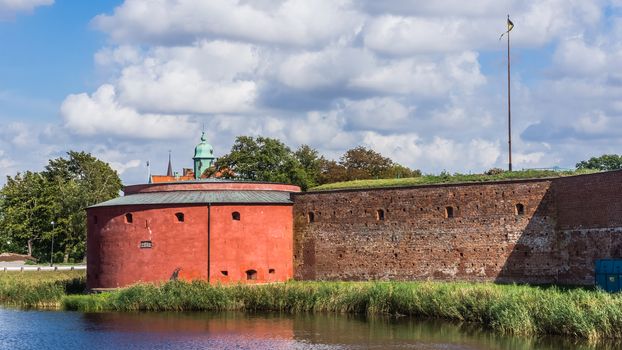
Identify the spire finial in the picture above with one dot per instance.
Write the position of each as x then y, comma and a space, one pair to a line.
169, 171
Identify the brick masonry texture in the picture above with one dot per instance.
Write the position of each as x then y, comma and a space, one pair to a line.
535, 231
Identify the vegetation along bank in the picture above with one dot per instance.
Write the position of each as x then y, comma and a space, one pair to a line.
508, 309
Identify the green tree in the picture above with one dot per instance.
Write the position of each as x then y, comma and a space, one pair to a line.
263, 159
363, 163
331, 171
28, 205
310, 161
604, 162
79, 181
397, 171
29, 202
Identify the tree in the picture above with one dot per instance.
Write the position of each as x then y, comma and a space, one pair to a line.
28, 205
604, 162
263, 159
331, 171
362, 163
29, 202
79, 181
310, 161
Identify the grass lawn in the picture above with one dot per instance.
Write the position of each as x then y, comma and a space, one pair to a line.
449, 179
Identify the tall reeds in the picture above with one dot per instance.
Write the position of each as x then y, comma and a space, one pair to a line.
508, 309
33, 289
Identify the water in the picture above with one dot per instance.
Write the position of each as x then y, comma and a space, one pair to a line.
74, 330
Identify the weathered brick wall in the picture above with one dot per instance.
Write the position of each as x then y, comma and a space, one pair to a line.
589, 225
485, 240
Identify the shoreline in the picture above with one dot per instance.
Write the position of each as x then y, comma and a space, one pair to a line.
519, 310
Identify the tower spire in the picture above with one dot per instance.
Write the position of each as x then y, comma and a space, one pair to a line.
169, 171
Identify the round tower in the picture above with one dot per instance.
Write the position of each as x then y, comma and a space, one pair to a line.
203, 157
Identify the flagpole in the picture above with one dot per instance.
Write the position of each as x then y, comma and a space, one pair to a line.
509, 108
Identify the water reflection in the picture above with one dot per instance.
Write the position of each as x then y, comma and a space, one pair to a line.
71, 330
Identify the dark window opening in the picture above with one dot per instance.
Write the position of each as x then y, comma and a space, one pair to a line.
129, 218
310, 217
145, 244
251, 275
225, 273
271, 271
449, 212
235, 216
95, 220
520, 209
180, 217
380, 214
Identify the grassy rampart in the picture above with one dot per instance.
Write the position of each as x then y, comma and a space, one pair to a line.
449, 179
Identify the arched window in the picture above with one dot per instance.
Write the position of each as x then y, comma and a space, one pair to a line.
310, 217
520, 209
380, 215
129, 218
251, 275
235, 216
180, 217
449, 212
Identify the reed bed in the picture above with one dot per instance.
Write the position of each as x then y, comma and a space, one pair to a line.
508, 309
34, 289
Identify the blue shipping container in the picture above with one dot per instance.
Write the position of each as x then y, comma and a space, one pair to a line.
609, 274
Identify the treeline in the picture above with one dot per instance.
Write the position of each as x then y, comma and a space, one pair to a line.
268, 159
36, 207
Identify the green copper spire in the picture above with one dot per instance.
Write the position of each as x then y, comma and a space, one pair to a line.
203, 157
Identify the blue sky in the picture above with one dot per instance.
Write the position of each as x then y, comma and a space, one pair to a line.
423, 83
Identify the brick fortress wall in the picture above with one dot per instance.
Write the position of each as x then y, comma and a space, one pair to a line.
537, 231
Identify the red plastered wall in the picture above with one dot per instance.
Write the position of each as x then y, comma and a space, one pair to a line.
261, 240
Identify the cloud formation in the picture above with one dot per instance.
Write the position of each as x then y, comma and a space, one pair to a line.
10, 8
422, 83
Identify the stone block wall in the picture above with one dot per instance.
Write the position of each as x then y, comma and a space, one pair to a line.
511, 231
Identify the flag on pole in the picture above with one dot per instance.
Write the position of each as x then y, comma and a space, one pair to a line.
510, 26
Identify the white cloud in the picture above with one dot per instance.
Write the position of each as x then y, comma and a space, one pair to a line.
378, 113
121, 167
9, 8
7, 166
208, 77
292, 22
18, 134
436, 154
101, 113
574, 57
421, 82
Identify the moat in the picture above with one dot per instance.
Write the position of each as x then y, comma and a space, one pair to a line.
74, 330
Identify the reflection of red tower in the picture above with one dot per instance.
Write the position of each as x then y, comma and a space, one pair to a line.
215, 230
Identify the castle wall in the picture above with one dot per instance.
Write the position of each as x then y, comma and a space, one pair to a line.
114, 255
260, 240
589, 225
566, 224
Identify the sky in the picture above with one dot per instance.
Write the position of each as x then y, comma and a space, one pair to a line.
424, 83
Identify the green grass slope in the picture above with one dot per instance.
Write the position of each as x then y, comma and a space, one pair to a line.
449, 179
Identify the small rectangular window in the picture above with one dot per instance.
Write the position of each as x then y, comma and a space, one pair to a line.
145, 245
449, 212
